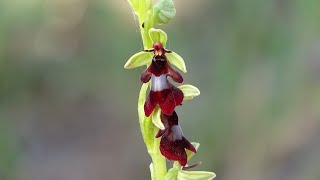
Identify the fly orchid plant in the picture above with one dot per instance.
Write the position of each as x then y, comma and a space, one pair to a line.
158, 120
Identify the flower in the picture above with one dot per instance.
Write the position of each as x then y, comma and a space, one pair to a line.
162, 92
173, 143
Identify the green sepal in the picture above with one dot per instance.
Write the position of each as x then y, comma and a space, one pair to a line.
177, 61
189, 91
158, 36
134, 5
139, 59
195, 175
156, 119
163, 11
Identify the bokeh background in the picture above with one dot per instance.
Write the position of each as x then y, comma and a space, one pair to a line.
68, 108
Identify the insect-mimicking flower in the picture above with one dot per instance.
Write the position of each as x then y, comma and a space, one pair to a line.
164, 97
173, 143
162, 92
157, 108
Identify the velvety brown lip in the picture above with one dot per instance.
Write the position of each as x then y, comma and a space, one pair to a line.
173, 144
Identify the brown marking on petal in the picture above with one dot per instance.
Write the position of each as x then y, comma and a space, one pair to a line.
167, 51
192, 166
148, 50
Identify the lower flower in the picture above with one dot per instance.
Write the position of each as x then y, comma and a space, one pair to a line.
173, 144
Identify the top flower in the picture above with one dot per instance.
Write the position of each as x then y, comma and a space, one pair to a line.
162, 93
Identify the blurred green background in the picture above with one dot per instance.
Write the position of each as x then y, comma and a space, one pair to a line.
68, 108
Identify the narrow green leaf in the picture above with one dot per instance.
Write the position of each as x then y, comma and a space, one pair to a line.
195, 175
163, 11
156, 118
158, 35
139, 59
177, 60
189, 91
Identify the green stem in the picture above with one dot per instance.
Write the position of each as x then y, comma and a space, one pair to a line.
159, 168
159, 162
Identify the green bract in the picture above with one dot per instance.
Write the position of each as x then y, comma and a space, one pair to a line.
189, 91
156, 119
164, 11
145, 122
172, 174
195, 175
177, 61
139, 59
158, 36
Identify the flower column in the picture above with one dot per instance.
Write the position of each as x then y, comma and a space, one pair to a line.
158, 120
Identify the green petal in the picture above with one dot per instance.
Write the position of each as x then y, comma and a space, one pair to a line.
190, 154
189, 91
195, 175
176, 60
139, 59
156, 118
164, 11
158, 35
135, 5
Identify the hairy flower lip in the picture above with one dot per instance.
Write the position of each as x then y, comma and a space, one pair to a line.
173, 144
167, 99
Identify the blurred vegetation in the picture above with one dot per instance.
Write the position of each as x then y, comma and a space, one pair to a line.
68, 106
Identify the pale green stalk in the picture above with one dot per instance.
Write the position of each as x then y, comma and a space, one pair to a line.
158, 168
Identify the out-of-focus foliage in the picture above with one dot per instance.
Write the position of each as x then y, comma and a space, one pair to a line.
68, 107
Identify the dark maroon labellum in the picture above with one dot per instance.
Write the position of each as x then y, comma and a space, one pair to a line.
173, 143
